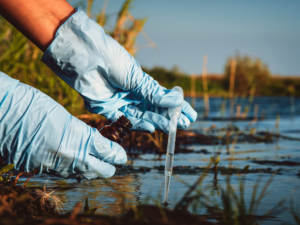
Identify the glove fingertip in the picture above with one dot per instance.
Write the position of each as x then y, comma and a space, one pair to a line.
108, 173
189, 112
120, 154
183, 122
112, 172
96, 168
141, 125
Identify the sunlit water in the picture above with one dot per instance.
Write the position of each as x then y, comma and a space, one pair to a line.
148, 187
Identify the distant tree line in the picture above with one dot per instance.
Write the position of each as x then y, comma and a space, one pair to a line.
252, 77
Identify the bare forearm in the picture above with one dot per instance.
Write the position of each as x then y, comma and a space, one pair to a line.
38, 20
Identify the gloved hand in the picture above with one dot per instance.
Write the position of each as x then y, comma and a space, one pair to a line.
109, 79
38, 133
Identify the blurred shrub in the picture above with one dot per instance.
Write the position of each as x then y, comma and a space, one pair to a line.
250, 75
283, 86
175, 77
170, 78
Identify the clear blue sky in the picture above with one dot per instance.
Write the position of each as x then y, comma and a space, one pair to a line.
185, 30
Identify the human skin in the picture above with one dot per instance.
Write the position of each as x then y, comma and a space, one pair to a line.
38, 20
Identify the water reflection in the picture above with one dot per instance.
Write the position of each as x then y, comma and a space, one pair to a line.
215, 188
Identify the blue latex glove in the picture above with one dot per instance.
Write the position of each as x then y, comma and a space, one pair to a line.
109, 79
38, 133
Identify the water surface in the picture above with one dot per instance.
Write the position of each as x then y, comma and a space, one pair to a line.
139, 188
